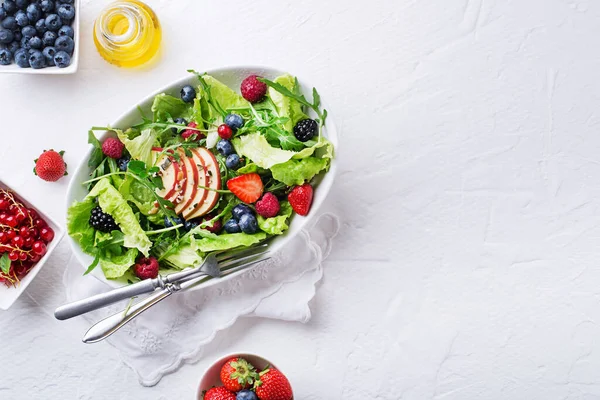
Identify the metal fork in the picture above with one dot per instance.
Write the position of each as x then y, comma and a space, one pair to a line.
106, 327
211, 266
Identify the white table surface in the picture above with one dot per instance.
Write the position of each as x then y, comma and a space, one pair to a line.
469, 190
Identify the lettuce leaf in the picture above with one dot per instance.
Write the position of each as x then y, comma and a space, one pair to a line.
295, 172
223, 95
286, 106
167, 108
257, 148
322, 149
113, 203
133, 191
114, 266
139, 147
278, 224
78, 226
211, 242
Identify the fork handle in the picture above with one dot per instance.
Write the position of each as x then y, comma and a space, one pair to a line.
110, 325
95, 302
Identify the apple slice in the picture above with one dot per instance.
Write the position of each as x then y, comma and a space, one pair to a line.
213, 181
198, 165
190, 187
172, 175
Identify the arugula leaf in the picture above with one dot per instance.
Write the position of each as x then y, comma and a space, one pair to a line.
299, 98
94, 264
5, 263
138, 168
97, 155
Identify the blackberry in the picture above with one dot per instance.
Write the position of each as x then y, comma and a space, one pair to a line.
102, 221
305, 129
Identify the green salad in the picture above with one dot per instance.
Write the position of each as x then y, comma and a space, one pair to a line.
209, 170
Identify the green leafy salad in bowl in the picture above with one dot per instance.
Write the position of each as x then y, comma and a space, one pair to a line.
203, 166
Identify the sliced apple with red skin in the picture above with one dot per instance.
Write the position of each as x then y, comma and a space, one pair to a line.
198, 165
190, 187
172, 174
213, 181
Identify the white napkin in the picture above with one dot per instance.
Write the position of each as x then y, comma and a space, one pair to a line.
176, 330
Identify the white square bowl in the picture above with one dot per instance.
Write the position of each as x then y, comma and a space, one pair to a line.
71, 69
8, 295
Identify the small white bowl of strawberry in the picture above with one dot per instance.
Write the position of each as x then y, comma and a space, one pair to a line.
244, 377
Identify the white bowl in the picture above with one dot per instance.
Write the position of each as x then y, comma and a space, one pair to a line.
8, 295
71, 69
232, 77
211, 376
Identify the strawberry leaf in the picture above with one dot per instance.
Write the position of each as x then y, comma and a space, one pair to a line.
5, 263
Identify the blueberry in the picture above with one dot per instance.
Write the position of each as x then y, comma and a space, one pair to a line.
47, 6
66, 30
35, 43
37, 60
122, 162
188, 94
66, 11
5, 57
189, 225
40, 26
234, 121
67, 1
232, 226
34, 12
13, 47
18, 36
225, 147
64, 43
172, 221
53, 22
246, 395
22, 58
28, 31
6, 36
62, 59
9, 23
49, 38
25, 43
180, 121
21, 18
248, 223
10, 6
2, 13
232, 161
49, 53
22, 4
239, 210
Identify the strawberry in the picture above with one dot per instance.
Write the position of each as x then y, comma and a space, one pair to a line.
50, 166
273, 385
238, 374
219, 393
300, 198
248, 187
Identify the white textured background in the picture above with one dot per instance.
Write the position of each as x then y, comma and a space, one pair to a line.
467, 266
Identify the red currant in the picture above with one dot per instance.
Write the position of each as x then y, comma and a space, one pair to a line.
24, 232
23, 256
3, 216
39, 223
32, 213
13, 256
224, 131
34, 258
47, 234
20, 215
33, 232
39, 248
18, 241
4, 248
11, 221
11, 234
3, 237
12, 208
28, 242
4, 204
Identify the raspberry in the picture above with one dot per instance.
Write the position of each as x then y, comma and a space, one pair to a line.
146, 268
50, 166
189, 132
268, 206
252, 89
113, 148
